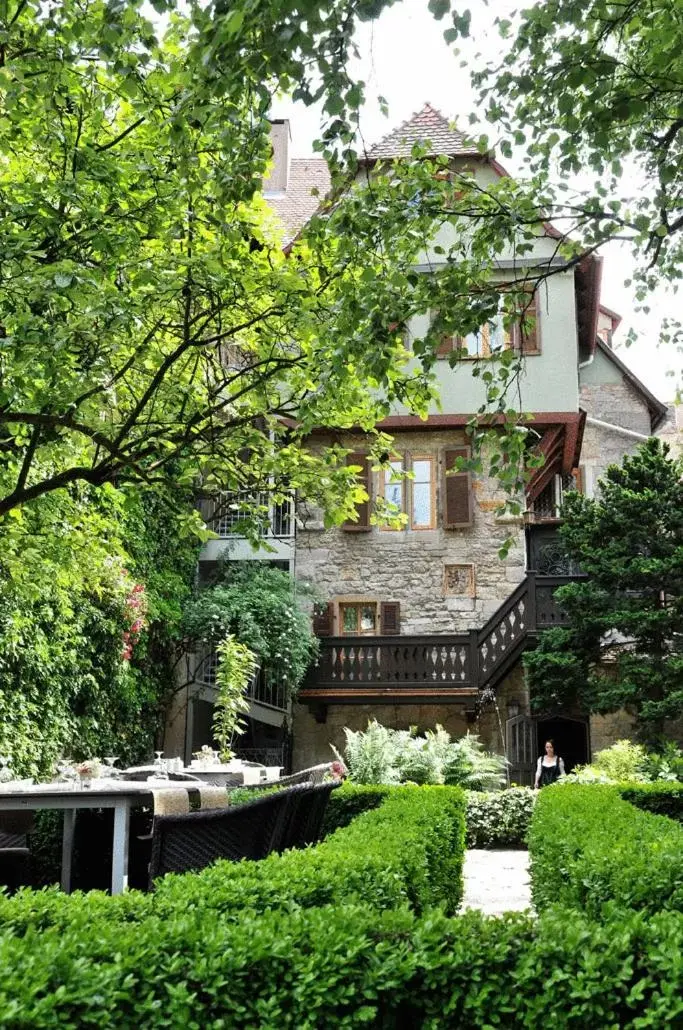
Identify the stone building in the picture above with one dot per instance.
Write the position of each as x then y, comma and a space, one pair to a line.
427, 623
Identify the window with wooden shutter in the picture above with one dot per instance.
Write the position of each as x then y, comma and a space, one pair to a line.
323, 615
457, 491
390, 618
361, 524
527, 334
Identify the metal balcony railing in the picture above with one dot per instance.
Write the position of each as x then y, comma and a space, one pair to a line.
224, 511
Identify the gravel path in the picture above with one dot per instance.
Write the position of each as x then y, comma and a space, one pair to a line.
496, 881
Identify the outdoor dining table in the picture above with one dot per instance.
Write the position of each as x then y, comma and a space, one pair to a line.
121, 795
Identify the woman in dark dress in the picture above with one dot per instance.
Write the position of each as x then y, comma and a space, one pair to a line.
550, 766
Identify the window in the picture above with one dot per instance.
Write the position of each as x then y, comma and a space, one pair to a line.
392, 488
423, 493
358, 618
492, 338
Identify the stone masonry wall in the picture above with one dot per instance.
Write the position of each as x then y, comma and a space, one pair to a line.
619, 404
408, 565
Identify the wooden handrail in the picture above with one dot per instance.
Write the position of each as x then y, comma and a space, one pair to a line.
453, 663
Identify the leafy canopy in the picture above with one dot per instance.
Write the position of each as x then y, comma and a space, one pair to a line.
597, 86
622, 647
151, 325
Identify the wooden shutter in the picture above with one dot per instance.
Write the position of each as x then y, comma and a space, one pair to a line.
390, 618
362, 521
528, 331
457, 491
323, 615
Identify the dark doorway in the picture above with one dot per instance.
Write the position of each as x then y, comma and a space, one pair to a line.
570, 736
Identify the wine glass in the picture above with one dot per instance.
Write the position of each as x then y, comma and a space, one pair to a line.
160, 770
5, 771
109, 771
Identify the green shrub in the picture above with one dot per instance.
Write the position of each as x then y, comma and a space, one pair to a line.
408, 851
499, 819
349, 801
662, 798
588, 846
347, 966
623, 761
665, 764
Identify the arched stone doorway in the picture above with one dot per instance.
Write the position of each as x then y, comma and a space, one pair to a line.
570, 736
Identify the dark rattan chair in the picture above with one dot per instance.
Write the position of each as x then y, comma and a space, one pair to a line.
181, 843
306, 812
15, 854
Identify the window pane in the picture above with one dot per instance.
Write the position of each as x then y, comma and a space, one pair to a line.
393, 486
422, 504
422, 471
349, 618
497, 334
367, 617
472, 344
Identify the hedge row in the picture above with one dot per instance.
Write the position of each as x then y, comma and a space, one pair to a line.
660, 798
589, 846
352, 800
407, 852
347, 966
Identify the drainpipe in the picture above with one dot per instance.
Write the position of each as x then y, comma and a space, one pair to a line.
616, 429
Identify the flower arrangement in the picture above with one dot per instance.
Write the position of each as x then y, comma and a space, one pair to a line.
90, 769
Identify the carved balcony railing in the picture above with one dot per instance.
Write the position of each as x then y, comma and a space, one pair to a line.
354, 669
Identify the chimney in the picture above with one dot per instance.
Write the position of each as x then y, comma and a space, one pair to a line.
276, 182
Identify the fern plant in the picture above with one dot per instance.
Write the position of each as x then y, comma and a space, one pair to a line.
382, 755
371, 755
470, 765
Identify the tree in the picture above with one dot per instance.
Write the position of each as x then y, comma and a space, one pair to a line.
622, 646
152, 328
594, 85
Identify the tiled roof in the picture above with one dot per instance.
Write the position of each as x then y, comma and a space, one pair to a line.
297, 204
426, 126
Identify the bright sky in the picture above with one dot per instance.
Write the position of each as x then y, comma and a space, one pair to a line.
404, 58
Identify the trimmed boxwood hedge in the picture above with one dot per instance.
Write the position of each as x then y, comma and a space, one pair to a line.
660, 798
351, 800
408, 851
347, 966
198, 954
589, 846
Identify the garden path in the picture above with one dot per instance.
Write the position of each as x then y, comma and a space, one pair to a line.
496, 881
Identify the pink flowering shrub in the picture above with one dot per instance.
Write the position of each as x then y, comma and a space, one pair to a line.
135, 612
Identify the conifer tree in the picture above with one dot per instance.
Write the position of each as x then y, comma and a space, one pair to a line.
623, 645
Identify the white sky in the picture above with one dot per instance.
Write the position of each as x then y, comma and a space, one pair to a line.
404, 58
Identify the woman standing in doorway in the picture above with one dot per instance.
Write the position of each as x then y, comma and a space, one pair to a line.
550, 766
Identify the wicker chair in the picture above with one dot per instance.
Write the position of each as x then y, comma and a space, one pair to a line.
15, 855
181, 843
306, 812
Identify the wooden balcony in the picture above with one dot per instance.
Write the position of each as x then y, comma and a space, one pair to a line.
434, 669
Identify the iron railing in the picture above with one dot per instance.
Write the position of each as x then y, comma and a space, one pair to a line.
224, 511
